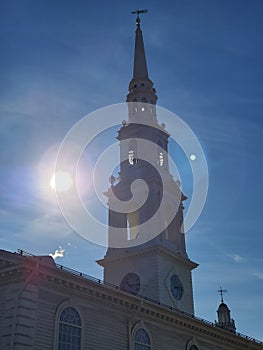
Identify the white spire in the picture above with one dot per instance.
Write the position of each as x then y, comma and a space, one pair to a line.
140, 66
141, 90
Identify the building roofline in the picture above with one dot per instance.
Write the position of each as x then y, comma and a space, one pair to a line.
144, 302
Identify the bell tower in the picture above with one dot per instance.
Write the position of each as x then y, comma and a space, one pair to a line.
156, 265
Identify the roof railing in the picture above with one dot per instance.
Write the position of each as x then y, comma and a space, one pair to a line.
24, 253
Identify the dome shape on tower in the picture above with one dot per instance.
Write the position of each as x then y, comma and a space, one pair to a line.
224, 318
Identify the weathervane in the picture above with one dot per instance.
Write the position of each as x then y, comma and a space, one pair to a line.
138, 12
221, 292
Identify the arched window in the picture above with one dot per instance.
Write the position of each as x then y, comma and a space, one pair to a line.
132, 155
161, 159
69, 337
141, 340
194, 347
161, 154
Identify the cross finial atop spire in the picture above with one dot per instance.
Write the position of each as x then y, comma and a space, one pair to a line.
221, 292
138, 12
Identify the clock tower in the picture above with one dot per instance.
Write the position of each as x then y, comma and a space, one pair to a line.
146, 257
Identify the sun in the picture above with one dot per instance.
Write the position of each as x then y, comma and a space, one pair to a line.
61, 181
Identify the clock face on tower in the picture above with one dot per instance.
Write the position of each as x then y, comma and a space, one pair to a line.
131, 283
176, 287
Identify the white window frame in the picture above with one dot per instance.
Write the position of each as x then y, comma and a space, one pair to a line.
133, 330
192, 342
61, 307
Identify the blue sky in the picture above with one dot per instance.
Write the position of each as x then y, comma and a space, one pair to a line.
62, 60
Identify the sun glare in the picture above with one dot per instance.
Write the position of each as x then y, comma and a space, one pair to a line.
61, 181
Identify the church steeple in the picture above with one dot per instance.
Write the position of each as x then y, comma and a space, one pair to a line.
141, 88
140, 70
145, 258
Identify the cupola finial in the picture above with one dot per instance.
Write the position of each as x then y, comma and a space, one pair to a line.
221, 292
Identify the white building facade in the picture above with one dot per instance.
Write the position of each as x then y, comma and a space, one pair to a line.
44, 306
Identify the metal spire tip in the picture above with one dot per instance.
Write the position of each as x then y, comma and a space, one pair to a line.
138, 12
221, 292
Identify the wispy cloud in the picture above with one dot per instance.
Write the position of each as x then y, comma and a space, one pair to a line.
237, 258
259, 275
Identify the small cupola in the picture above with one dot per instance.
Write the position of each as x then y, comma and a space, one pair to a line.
224, 316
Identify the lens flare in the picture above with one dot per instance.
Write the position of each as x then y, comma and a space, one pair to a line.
83, 133
61, 181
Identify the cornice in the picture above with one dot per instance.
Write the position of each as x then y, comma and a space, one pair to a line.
142, 308
157, 313
157, 249
47, 277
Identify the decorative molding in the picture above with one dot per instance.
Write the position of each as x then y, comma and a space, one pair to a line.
137, 307
158, 249
192, 342
156, 312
